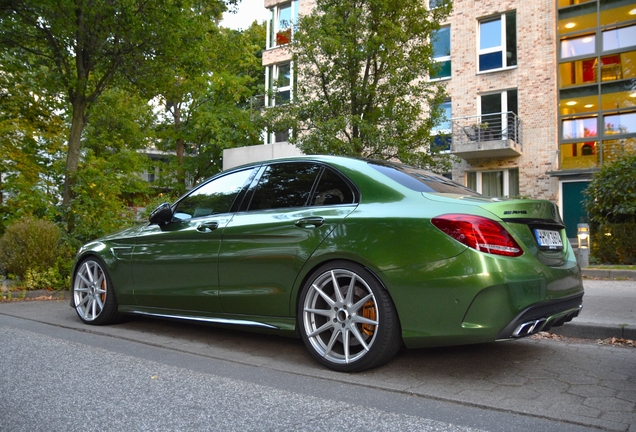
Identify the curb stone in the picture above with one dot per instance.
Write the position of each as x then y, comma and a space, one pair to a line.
32, 294
595, 331
609, 273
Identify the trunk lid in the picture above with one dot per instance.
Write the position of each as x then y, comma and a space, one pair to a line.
536, 224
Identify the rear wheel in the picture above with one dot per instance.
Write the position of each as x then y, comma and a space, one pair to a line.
93, 294
347, 319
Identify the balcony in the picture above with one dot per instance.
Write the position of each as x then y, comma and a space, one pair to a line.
495, 135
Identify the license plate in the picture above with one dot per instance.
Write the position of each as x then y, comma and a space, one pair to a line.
548, 239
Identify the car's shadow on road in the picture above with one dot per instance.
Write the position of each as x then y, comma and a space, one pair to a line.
500, 362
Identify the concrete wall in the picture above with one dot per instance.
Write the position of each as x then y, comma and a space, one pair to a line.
242, 155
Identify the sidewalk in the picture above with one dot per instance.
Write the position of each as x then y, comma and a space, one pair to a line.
609, 309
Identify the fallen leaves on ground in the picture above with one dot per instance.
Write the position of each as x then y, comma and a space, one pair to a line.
628, 343
18, 298
617, 341
548, 335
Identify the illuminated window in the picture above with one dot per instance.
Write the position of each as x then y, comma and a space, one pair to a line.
623, 123
579, 155
619, 38
579, 128
578, 46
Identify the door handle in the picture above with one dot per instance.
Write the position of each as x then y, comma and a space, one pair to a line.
207, 227
310, 222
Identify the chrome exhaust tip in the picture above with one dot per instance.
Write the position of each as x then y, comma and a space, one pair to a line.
529, 327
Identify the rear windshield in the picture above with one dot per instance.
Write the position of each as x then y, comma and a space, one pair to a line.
420, 180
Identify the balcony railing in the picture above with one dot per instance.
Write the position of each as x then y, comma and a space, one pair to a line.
487, 136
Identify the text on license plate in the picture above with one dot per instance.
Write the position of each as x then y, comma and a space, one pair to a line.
547, 238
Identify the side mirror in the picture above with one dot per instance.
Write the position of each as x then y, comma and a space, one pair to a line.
161, 215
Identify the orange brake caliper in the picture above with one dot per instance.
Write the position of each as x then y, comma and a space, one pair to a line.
369, 312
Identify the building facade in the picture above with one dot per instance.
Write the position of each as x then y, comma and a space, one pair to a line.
541, 93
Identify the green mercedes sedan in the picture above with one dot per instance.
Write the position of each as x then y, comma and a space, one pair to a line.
357, 257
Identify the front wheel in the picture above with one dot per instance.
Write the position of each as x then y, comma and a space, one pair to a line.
93, 294
347, 319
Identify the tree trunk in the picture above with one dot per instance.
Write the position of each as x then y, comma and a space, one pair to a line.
180, 145
73, 155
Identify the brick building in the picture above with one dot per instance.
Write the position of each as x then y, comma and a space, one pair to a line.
541, 93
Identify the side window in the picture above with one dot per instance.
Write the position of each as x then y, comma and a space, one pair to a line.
214, 197
332, 189
284, 185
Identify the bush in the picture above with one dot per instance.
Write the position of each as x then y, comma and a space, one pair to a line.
614, 243
611, 206
611, 195
46, 279
29, 244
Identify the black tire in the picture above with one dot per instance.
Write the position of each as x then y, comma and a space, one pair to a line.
352, 328
93, 294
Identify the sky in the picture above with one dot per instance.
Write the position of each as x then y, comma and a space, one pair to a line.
249, 10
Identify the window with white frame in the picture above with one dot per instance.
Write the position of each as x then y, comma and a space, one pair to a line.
277, 136
441, 42
279, 83
498, 113
283, 18
442, 132
498, 42
500, 183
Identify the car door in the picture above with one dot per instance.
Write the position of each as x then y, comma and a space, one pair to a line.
287, 213
175, 264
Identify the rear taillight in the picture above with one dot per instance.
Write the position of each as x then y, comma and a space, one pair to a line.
479, 233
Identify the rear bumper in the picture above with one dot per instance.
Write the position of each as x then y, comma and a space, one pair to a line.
542, 317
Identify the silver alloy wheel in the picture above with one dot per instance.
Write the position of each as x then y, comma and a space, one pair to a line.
340, 316
90, 290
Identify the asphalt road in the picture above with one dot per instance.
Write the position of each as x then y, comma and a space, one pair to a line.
58, 374
60, 379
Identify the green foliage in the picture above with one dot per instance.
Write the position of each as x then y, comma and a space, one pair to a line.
614, 243
120, 120
49, 278
112, 58
32, 139
89, 46
99, 206
361, 81
611, 205
208, 105
611, 195
29, 244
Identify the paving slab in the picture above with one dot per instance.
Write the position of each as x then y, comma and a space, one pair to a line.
609, 310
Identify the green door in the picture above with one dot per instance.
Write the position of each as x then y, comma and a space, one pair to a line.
573, 211
291, 210
175, 265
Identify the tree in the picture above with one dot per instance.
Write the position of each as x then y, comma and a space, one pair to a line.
208, 103
32, 140
362, 89
86, 45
